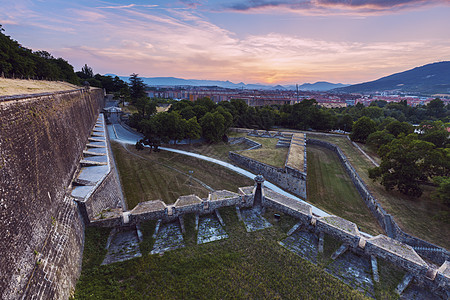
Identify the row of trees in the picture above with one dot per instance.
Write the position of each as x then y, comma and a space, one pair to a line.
408, 159
20, 62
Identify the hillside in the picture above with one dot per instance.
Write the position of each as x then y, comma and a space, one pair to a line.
429, 79
10, 87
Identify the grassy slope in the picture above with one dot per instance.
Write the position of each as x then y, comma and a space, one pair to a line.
19, 86
331, 189
246, 265
421, 217
148, 177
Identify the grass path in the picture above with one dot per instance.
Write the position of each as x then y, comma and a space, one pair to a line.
149, 176
330, 188
421, 217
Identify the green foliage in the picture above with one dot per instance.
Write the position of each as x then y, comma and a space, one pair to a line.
442, 192
137, 88
396, 128
403, 164
213, 126
18, 61
246, 265
379, 138
362, 129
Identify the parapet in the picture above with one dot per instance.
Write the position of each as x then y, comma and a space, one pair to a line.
397, 253
340, 228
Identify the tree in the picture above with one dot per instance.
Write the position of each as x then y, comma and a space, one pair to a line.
396, 128
137, 88
213, 126
442, 192
345, 123
379, 138
403, 165
87, 72
193, 129
362, 128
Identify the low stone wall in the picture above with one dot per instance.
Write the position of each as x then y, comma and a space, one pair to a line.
438, 255
251, 144
288, 178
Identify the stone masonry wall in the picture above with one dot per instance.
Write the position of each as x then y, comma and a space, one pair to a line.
109, 193
41, 141
292, 180
430, 251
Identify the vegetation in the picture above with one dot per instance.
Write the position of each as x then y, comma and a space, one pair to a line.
114, 85
19, 62
246, 265
423, 217
331, 189
166, 176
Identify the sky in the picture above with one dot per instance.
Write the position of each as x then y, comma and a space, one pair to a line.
256, 41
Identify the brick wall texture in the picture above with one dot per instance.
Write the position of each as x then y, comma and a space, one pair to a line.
41, 141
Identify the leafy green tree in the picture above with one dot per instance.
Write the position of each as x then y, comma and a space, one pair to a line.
213, 126
442, 192
137, 88
436, 108
362, 128
87, 72
403, 165
379, 138
435, 132
193, 129
396, 128
345, 123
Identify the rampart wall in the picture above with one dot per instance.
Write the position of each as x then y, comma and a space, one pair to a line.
287, 178
41, 140
430, 251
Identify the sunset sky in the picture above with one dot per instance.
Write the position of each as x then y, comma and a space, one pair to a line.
259, 41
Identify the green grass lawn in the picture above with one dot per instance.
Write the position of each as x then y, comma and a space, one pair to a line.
163, 175
330, 188
244, 266
421, 217
267, 154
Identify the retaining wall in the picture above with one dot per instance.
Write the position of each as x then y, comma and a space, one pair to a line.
288, 178
439, 255
41, 141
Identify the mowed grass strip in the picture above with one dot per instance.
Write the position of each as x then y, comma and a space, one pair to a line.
244, 266
146, 176
268, 153
422, 217
330, 188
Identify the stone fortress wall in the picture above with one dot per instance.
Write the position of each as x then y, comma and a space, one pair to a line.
290, 177
41, 147
430, 251
436, 280
41, 140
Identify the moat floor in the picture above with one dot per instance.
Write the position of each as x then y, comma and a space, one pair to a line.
169, 237
124, 246
210, 230
352, 269
253, 220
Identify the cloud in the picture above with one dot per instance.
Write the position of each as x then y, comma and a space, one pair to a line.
330, 6
129, 6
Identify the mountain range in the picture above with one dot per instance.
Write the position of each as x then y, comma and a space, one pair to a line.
173, 81
428, 79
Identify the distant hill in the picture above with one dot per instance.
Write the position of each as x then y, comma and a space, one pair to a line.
429, 79
320, 86
173, 81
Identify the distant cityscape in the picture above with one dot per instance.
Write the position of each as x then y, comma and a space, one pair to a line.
280, 97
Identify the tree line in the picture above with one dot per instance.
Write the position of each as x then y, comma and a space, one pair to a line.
17, 61
410, 156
